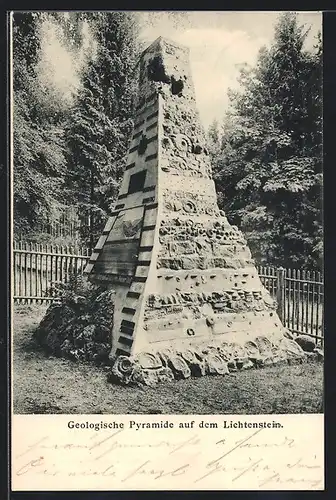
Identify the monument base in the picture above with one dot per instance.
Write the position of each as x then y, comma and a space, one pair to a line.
227, 353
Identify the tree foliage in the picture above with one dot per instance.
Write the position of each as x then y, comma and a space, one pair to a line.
98, 134
70, 144
38, 139
269, 167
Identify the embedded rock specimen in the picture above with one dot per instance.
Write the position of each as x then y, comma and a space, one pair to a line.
188, 296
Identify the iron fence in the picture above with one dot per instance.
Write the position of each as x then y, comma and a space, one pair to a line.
300, 296
36, 268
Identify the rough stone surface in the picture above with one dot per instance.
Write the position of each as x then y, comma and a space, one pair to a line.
183, 275
195, 362
207, 360
215, 365
179, 367
148, 360
306, 342
123, 369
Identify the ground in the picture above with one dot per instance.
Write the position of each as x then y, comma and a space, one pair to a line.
45, 384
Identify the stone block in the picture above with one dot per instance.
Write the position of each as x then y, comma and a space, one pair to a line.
148, 360
196, 365
215, 365
306, 342
179, 367
141, 376
292, 348
251, 349
122, 369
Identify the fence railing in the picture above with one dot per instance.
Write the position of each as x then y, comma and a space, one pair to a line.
300, 296
37, 267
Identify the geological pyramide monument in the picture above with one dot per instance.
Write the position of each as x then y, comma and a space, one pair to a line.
188, 298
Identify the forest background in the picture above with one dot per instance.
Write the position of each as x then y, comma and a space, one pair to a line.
70, 138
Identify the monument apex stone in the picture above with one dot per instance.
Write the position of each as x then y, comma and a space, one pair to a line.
183, 276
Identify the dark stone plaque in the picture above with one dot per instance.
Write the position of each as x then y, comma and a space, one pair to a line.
118, 259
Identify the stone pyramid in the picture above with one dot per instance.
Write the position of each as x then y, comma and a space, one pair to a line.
188, 298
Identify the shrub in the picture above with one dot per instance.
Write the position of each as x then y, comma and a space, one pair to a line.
78, 324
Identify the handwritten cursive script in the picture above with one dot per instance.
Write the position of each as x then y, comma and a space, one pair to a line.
197, 459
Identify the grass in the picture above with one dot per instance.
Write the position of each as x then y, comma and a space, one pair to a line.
45, 384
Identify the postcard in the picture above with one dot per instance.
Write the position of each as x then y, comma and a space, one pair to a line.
167, 252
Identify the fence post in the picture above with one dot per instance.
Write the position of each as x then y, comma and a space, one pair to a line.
280, 292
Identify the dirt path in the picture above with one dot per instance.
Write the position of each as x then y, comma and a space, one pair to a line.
45, 384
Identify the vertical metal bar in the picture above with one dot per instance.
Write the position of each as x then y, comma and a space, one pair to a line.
81, 260
274, 282
41, 271
34, 272
57, 260
20, 271
25, 273
67, 264
267, 278
86, 258
274, 285
53, 257
313, 305
62, 264
318, 305
71, 260
294, 283
52, 272
30, 273
50, 263
304, 298
263, 280
76, 264
298, 300
307, 302
281, 292
46, 272
37, 272
288, 296
15, 273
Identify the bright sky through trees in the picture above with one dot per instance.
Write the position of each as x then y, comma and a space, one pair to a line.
220, 42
